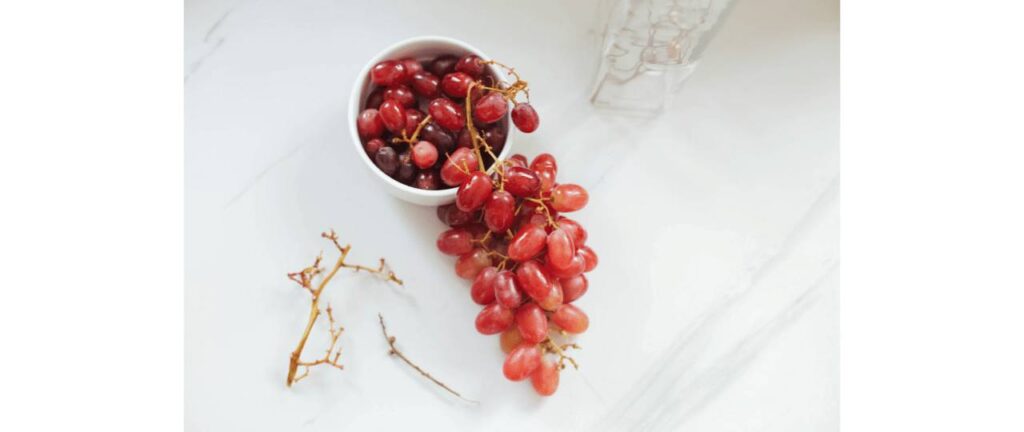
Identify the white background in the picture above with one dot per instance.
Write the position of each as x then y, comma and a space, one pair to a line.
92, 170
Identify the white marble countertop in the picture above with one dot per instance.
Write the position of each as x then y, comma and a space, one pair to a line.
715, 304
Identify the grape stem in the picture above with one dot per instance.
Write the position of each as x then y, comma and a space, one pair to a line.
559, 350
415, 135
305, 278
394, 351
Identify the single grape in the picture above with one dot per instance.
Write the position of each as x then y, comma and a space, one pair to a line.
465, 140
456, 241
547, 175
441, 138
494, 319
453, 217
442, 65
369, 124
426, 84
456, 84
527, 243
521, 362
424, 154
467, 266
412, 66
392, 114
447, 114
401, 94
495, 137
560, 249
575, 230
518, 160
506, 290
574, 288
575, 267
521, 182
571, 319
459, 166
413, 117
554, 297
388, 73
589, 258
568, 197
406, 169
473, 193
471, 65
375, 98
387, 160
426, 180
510, 339
500, 211
490, 108
544, 159
525, 118
532, 279
545, 378
482, 290
372, 146
532, 323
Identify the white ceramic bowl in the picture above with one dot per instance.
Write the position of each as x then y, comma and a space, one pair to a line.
420, 48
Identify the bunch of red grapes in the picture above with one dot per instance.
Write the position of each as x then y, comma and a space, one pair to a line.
526, 260
414, 126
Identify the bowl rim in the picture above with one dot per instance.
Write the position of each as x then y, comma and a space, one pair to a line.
362, 80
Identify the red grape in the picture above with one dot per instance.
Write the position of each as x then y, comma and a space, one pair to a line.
387, 160
589, 258
392, 114
439, 137
527, 243
506, 290
532, 323
560, 249
490, 108
456, 241
424, 154
452, 216
388, 73
525, 118
459, 166
544, 159
576, 266
482, 290
574, 288
545, 378
521, 362
510, 339
411, 66
465, 140
447, 114
500, 211
406, 170
471, 65
375, 98
554, 297
373, 145
473, 193
532, 279
470, 264
442, 65
401, 94
426, 180
568, 197
547, 175
575, 230
521, 182
456, 84
494, 319
571, 319
518, 160
413, 117
369, 124
426, 84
